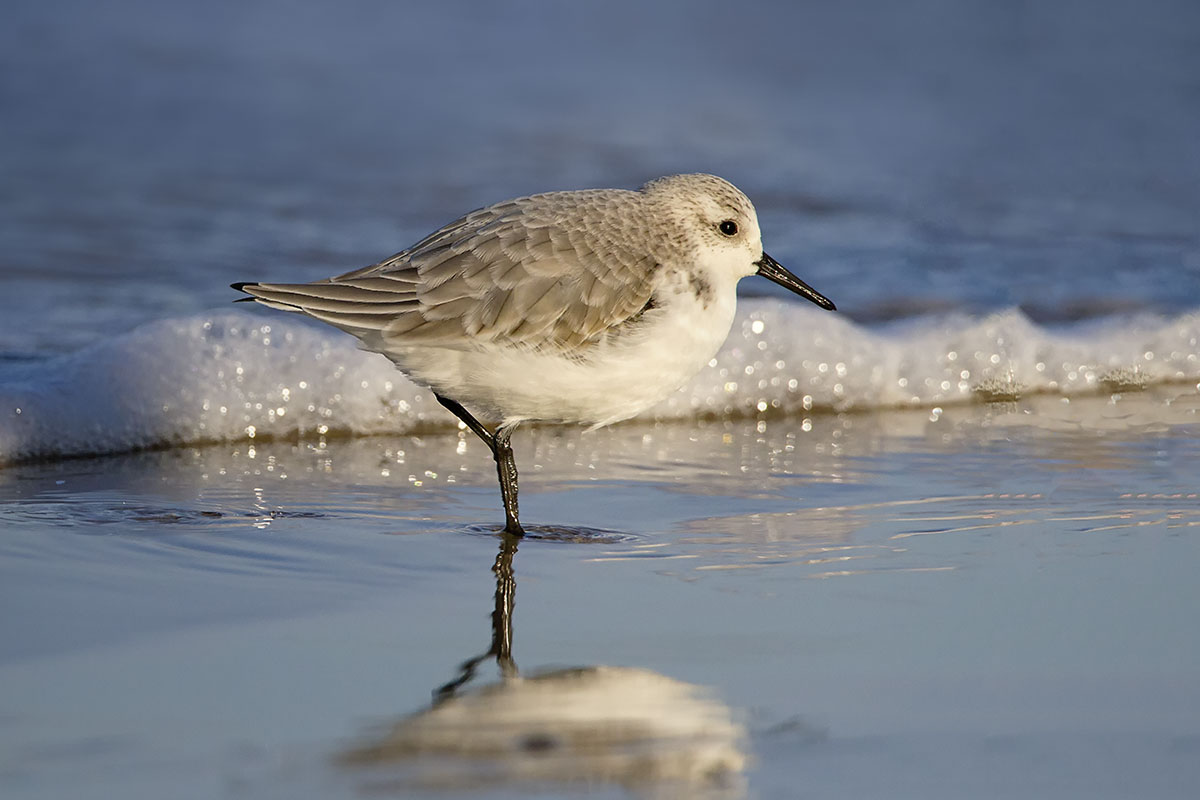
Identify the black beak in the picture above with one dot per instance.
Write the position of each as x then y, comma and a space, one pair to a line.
773, 270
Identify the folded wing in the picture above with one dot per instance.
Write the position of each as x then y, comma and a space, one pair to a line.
525, 272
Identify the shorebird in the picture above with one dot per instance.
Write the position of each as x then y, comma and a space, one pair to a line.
582, 307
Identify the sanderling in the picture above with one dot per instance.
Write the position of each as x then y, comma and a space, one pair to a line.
573, 307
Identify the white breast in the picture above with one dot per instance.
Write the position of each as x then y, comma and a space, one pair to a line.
617, 380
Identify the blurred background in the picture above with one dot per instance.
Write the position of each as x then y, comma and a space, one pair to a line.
906, 158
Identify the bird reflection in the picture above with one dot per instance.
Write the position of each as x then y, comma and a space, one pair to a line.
634, 728
502, 614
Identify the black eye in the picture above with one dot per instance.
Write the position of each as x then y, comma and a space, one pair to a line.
728, 227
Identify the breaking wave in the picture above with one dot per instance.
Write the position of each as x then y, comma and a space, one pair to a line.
231, 375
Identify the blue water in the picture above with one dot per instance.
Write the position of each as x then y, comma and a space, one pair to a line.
886, 605
989, 593
903, 158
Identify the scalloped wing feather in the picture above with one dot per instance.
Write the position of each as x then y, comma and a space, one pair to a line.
517, 273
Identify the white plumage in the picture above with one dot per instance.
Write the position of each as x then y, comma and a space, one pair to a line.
584, 307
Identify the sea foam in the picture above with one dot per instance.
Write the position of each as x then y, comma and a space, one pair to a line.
234, 375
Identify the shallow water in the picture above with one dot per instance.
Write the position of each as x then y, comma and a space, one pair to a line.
940, 544
994, 602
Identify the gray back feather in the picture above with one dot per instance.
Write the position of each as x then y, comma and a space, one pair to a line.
523, 271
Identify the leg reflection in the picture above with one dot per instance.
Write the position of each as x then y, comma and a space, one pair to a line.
501, 649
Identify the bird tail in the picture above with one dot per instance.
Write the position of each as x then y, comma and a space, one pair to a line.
258, 294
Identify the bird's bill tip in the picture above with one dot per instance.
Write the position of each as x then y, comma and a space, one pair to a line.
772, 270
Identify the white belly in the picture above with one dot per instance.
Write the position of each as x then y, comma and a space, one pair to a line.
618, 380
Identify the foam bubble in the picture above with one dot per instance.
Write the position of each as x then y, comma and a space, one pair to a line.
793, 359
236, 375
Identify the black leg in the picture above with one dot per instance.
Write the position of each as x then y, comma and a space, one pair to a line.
457, 410
506, 465
506, 469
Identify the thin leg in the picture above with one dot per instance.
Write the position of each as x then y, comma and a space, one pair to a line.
506, 469
457, 410
506, 465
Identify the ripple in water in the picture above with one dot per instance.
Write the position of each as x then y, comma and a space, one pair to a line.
571, 534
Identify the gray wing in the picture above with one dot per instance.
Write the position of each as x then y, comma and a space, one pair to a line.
556, 270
